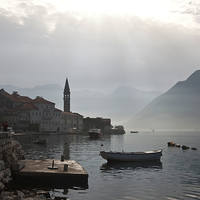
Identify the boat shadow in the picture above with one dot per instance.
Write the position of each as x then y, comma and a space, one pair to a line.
131, 165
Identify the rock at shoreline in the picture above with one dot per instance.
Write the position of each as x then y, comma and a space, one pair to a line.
25, 195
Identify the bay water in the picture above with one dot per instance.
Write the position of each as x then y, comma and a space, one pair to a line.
177, 176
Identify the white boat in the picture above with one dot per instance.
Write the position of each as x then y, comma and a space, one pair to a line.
131, 156
95, 133
9, 129
41, 141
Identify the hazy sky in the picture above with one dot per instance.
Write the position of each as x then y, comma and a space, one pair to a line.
99, 44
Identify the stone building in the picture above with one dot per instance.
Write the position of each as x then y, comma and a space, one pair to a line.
25, 113
73, 120
38, 114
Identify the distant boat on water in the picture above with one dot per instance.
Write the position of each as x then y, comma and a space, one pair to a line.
133, 131
40, 141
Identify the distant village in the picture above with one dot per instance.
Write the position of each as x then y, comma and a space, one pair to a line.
24, 114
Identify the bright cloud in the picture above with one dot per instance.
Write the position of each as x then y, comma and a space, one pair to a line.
103, 44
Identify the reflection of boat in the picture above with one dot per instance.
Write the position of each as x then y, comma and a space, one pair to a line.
131, 165
134, 131
95, 133
37, 141
131, 156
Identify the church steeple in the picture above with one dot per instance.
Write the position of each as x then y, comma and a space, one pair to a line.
66, 97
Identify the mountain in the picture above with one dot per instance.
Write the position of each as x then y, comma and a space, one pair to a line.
177, 109
120, 105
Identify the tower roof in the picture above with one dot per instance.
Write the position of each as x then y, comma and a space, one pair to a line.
67, 86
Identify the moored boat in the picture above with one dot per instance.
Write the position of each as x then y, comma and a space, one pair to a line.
95, 133
41, 141
131, 156
133, 131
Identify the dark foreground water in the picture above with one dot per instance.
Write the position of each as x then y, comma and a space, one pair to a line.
176, 177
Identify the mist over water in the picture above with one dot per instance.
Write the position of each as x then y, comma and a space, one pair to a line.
177, 176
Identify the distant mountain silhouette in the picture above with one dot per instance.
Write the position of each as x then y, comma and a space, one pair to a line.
177, 109
120, 105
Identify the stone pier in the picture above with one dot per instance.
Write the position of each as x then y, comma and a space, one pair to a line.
52, 173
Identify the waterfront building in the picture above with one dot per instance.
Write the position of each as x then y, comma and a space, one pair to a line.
101, 123
72, 120
25, 113
39, 114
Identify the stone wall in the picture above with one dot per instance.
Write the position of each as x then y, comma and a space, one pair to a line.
5, 143
10, 152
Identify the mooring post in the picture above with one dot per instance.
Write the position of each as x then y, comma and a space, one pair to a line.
62, 158
52, 164
65, 167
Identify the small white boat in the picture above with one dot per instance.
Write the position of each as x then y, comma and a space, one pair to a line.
131, 156
37, 141
9, 129
95, 133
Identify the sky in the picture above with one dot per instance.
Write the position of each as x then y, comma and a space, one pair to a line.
99, 44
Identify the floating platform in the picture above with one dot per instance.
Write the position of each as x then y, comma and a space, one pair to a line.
51, 173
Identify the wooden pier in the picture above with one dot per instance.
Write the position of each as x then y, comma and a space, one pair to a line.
53, 173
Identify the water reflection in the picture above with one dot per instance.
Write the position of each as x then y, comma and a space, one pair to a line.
130, 165
176, 177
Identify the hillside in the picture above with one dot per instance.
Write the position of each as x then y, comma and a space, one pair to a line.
119, 105
177, 109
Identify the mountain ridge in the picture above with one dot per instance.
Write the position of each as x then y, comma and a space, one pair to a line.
119, 105
176, 109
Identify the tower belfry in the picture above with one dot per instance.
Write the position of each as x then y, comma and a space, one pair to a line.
66, 97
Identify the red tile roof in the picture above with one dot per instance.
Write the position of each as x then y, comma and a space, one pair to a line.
70, 113
56, 109
16, 97
41, 100
28, 106
24, 99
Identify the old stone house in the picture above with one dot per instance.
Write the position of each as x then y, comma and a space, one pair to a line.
38, 114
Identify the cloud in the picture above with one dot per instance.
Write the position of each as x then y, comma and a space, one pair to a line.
41, 45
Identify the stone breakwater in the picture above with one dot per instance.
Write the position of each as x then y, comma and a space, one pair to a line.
11, 153
8, 155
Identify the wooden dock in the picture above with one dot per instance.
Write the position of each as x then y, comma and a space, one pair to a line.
52, 173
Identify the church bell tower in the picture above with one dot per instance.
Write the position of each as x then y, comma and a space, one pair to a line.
66, 97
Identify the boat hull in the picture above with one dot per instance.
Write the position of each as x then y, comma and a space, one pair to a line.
44, 141
132, 156
94, 135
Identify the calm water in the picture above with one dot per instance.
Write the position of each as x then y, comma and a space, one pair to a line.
176, 177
